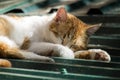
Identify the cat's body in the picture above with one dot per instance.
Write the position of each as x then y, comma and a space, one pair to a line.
32, 27
34, 37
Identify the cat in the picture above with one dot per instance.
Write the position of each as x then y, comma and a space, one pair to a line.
60, 34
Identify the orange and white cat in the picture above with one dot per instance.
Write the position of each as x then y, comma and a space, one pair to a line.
39, 37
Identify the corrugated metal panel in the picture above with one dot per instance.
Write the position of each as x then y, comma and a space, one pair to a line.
106, 38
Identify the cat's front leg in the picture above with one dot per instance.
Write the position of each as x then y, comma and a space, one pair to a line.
51, 49
63, 51
93, 54
33, 56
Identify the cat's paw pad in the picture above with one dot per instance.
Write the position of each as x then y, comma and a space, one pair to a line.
98, 54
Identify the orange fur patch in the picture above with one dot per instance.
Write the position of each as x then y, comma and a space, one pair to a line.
5, 63
26, 44
4, 27
80, 38
83, 55
8, 52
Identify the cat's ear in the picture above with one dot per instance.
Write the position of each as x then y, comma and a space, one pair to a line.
93, 28
61, 15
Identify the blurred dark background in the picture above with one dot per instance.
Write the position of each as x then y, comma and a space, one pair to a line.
77, 7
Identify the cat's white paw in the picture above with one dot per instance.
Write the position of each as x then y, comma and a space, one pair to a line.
63, 51
98, 54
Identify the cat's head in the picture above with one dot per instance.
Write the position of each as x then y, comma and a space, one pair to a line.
72, 31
